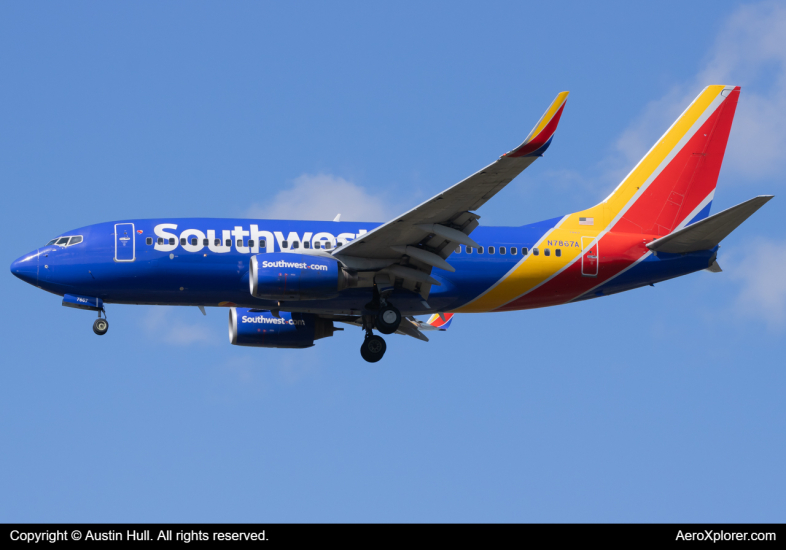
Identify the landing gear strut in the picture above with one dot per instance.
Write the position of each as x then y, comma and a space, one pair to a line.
386, 320
373, 347
100, 326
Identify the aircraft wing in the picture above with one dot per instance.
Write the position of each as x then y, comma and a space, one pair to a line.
430, 232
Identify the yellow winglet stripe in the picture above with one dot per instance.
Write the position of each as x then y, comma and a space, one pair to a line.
547, 116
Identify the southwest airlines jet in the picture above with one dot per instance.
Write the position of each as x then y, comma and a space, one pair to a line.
287, 283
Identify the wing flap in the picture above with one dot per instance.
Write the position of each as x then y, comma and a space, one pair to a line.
406, 328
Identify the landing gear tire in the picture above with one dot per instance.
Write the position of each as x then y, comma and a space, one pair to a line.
373, 348
100, 326
388, 319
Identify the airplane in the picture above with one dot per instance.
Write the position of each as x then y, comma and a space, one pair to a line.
288, 283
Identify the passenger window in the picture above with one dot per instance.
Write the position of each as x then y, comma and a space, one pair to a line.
262, 244
75, 240
480, 250
536, 252
284, 244
239, 244
160, 240
469, 250
205, 242
182, 242
149, 240
229, 243
306, 244
295, 245
502, 250
172, 241
524, 251
217, 242
513, 251
458, 250
547, 252
251, 243
558, 252
193, 242
491, 250
62, 241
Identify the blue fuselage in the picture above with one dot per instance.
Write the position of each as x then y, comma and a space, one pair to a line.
135, 262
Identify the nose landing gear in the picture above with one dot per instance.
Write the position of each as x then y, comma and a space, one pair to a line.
100, 326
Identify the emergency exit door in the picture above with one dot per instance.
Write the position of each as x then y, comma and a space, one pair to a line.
590, 258
124, 242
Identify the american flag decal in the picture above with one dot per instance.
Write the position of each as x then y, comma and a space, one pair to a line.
586, 221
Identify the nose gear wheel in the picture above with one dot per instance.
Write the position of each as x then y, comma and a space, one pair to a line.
100, 326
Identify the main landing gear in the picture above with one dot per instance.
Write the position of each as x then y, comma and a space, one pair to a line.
386, 320
100, 326
373, 348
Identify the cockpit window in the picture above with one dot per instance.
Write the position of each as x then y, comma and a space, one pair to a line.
65, 241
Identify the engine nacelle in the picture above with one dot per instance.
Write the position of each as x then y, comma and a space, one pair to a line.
251, 327
285, 276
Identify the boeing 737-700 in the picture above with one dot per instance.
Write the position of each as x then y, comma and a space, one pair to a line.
288, 283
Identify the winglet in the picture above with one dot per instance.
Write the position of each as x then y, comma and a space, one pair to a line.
541, 135
440, 321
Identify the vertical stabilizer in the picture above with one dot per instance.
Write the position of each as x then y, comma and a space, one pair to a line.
673, 185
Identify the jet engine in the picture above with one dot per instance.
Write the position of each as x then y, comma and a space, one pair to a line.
285, 276
252, 327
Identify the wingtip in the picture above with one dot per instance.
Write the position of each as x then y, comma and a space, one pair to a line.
541, 135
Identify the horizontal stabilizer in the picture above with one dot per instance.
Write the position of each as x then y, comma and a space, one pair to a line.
709, 232
438, 321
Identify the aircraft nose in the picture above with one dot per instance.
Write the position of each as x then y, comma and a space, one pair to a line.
26, 268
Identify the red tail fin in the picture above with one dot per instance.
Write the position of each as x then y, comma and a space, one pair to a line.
680, 190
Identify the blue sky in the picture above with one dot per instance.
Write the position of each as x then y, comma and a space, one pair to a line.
662, 404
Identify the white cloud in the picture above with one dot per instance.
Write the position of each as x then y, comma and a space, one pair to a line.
163, 324
749, 51
321, 197
642, 134
761, 273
